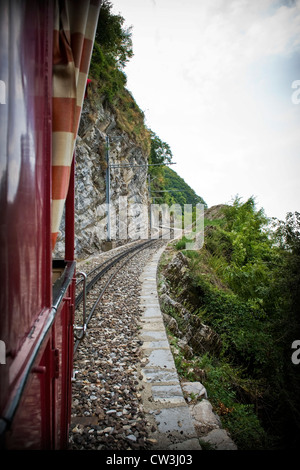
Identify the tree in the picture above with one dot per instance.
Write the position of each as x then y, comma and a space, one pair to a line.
260, 318
160, 152
114, 39
247, 248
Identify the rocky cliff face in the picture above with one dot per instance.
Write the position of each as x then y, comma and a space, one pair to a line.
178, 301
128, 183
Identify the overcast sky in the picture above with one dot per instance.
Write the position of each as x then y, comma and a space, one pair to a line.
214, 79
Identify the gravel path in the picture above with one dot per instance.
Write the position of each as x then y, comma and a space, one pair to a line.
107, 411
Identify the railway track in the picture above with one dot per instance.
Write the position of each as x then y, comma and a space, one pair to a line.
107, 411
104, 273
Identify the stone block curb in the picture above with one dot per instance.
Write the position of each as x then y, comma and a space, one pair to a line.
163, 399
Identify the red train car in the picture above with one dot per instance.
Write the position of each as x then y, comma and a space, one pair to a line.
44, 59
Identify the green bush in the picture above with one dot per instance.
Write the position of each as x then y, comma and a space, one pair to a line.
181, 244
245, 428
110, 80
242, 327
247, 282
225, 384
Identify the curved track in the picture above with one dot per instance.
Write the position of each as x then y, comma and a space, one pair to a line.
104, 274
107, 408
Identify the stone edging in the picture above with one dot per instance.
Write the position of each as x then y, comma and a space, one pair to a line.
175, 424
162, 395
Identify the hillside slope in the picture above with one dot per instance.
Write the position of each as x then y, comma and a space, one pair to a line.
232, 314
179, 190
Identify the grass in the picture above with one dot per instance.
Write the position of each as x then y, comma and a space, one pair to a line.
224, 383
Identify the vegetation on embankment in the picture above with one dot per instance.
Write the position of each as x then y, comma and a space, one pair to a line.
112, 50
245, 285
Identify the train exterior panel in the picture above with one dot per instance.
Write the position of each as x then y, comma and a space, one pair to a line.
37, 293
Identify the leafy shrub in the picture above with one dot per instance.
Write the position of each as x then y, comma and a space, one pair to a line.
252, 302
243, 329
223, 383
181, 244
245, 428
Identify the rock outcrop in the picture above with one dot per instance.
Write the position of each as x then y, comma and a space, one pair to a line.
100, 133
194, 338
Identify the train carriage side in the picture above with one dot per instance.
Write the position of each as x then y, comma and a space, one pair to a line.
37, 293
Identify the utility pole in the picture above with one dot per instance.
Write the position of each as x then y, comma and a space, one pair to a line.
150, 202
129, 165
107, 189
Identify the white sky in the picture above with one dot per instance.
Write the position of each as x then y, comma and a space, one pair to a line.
214, 79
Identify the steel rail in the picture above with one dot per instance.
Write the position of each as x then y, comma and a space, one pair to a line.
111, 263
8, 414
105, 266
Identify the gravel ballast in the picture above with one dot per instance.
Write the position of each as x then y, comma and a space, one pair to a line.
107, 410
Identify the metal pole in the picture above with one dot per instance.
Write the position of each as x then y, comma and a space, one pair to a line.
107, 189
70, 216
141, 166
150, 201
